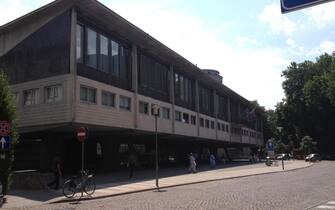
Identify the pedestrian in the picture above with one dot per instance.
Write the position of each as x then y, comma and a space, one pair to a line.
193, 165
212, 161
131, 164
56, 169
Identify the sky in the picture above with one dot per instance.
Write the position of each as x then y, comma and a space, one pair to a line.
249, 42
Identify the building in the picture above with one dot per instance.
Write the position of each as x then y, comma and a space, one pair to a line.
77, 63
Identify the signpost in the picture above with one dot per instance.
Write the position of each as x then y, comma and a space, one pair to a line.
155, 111
5, 142
81, 136
292, 5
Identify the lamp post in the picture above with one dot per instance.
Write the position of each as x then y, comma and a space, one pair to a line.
155, 111
280, 136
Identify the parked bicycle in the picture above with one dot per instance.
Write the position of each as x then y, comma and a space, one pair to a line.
83, 183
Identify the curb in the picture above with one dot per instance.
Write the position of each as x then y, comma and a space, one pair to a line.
173, 185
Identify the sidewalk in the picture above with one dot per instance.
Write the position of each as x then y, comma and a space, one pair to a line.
114, 184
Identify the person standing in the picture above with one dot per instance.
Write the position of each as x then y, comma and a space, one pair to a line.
193, 165
131, 164
56, 169
212, 161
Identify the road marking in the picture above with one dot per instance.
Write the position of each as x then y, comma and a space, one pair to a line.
325, 207
331, 202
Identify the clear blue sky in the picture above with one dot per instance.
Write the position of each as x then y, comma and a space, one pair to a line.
249, 42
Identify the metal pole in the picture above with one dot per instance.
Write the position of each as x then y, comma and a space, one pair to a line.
82, 155
157, 185
282, 162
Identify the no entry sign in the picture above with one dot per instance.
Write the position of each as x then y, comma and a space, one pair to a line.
81, 134
4, 128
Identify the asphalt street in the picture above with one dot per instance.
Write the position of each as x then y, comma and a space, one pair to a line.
309, 188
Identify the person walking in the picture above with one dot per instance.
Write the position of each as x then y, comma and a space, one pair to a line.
131, 164
193, 165
212, 161
56, 169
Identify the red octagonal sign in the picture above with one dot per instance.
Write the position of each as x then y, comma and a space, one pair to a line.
81, 134
4, 128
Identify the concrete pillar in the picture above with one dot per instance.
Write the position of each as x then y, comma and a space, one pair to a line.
229, 117
197, 106
73, 62
172, 101
134, 82
216, 111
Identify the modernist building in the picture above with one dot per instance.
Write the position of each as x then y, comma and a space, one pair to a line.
76, 63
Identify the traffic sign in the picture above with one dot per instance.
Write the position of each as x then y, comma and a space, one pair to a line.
81, 134
5, 142
4, 128
291, 5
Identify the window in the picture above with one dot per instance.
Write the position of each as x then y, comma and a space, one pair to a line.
193, 120
91, 54
88, 94
125, 103
219, 126
31, 97
227, 128
80, 43
53, 93
212, 125
166, 113
183, 89
104, 54
115, 58
178, 116
202, 124
186, 118
143, 107
207, 123
223, 127
107, 99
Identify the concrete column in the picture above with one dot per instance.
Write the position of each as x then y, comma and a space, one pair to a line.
73, 62
229, 117
216, 111
172, 101
197, 106
134, 82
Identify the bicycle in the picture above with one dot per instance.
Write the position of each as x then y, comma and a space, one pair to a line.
84, 183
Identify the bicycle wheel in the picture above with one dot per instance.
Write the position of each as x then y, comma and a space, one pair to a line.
69, 188
89, 187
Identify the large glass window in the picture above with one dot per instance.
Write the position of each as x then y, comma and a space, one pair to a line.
88, 94
125, 103
107, 98
166, 113
143, 107
104, 54
31, 97
183, 89
91, 54
80, 43
177, 116
186, 118
115, 58
53, 93
193, 120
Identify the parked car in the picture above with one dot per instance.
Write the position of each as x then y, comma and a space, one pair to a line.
284, 156
313, 157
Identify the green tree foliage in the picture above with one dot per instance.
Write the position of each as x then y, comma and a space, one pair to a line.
309, 106
8, 113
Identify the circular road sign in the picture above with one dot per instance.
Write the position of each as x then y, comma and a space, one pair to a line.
81, 134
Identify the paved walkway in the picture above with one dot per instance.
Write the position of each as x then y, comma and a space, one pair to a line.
118, 183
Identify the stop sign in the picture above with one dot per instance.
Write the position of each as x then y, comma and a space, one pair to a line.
81, 134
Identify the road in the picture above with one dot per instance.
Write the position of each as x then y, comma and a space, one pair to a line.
312, 188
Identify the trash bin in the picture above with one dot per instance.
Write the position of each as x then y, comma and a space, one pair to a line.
268, 161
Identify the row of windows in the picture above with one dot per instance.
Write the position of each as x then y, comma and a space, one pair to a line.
239, 131
51, 94
185, 118
89, 95
99, 52
144, 109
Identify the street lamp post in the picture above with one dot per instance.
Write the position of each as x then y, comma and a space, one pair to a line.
155, 112
282, 158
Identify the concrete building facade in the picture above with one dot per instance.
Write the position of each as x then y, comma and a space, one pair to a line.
77, 63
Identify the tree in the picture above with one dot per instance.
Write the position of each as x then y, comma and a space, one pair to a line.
309, 105
7, 113
307, 145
